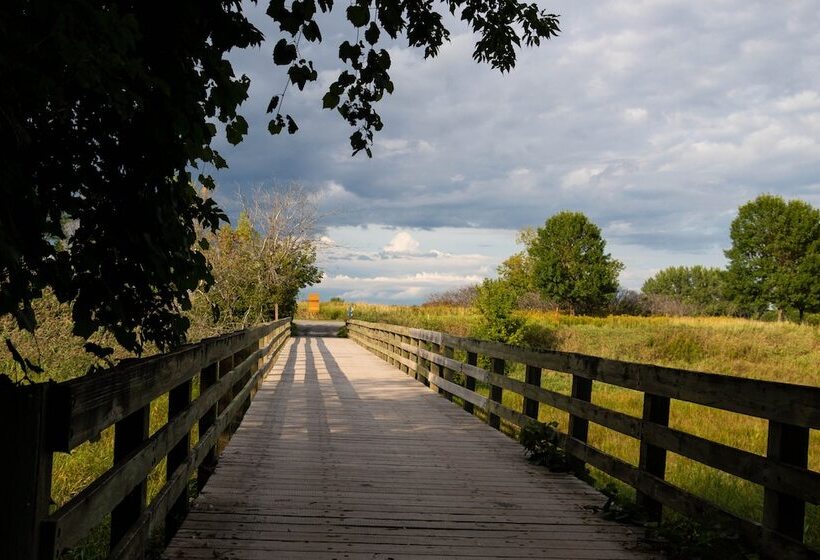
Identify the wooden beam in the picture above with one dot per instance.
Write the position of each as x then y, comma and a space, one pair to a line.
653, 458
782, 513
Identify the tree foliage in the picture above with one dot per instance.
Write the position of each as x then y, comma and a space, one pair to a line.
701, 288
107, 107
261, 264
775, 256
496, 302
570, 266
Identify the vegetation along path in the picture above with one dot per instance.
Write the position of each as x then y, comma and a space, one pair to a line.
342, 456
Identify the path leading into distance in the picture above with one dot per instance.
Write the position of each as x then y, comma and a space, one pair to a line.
343, 456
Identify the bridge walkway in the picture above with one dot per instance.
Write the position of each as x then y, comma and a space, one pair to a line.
343, 456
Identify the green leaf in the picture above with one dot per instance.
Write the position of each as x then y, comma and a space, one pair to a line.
358, 15
236, 130
274, 102
275, 126
330, 101
292, 128
284, 53
372, 33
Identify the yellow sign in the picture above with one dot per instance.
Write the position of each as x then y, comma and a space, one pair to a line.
313, 303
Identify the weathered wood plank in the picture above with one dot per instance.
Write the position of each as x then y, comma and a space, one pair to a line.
343, 455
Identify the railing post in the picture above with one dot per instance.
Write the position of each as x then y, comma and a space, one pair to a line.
417, 343
178, 400
578, 428
436, 369
207, 378
532, 377
496, 393
783, 513
129, 434
446, 373
469, 382
225, 365
25, 471
653, 458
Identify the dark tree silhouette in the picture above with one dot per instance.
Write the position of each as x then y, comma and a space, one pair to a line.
106, 106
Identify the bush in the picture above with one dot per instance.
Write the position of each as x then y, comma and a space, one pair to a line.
496, 302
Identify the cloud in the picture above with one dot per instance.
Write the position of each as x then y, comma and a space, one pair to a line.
402, 242
665, 116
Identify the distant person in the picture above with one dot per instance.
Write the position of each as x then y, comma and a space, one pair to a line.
349, 312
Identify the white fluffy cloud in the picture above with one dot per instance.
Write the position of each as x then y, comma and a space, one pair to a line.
402, 242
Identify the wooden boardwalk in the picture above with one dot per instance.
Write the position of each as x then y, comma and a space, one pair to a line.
343, 456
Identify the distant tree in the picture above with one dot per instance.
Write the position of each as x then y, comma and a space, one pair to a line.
570, 266
464, 296
701, 287
107, 107
263, 263
775, 256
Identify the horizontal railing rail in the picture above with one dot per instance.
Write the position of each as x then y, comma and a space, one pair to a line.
791, 411
45, 418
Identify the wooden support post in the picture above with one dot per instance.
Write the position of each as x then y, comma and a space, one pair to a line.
469, 382
417, 343
436, 369
403, 354
225, 366
446, 373
783, 513
653, 458
496, 393
25, 471
578, 428
206, 379
275, 311
532, 377
178, 400
129, 434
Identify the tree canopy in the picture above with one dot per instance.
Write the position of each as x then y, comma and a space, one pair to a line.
775, 255
569, 264
109, 111
261, 265
699, 286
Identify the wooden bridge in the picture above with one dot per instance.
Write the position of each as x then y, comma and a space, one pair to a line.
344, 454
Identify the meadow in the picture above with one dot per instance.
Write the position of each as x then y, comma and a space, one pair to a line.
785, 352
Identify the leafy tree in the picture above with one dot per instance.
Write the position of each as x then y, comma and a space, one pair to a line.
262, 264
106, 107
775, 256
699, 286
570, 266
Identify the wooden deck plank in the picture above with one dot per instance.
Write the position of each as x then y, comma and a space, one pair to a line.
344, 456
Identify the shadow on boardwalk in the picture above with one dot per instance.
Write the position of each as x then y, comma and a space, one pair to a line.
343, 456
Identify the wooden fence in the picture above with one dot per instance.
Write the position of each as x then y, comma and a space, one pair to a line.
791, 411
38, 420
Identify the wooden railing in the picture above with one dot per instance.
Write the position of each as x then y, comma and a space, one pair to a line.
38, 420
791, 411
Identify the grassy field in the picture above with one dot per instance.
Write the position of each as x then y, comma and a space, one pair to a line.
762, 350
784, 352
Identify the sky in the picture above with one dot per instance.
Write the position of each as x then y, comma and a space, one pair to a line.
657, 119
